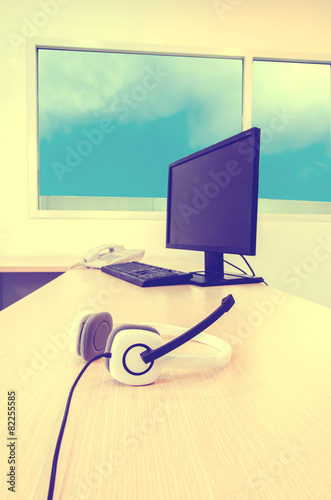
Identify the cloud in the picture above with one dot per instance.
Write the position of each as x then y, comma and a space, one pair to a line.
291, 101
291, 104
86, 86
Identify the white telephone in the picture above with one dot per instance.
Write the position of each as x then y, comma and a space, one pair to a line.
101, 251
106, 255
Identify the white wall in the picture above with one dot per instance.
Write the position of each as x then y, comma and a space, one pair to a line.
298, 25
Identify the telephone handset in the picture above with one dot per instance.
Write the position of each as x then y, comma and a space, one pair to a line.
105, 255
102, 251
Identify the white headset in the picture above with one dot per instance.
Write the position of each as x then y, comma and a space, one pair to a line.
135, 353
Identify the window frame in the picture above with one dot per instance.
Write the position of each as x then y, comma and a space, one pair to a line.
268, 209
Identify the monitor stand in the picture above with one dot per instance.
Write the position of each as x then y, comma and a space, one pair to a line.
213, 274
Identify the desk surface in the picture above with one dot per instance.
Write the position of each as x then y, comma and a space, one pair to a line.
35, 264
257, 429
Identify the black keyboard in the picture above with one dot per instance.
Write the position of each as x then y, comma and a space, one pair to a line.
142, 274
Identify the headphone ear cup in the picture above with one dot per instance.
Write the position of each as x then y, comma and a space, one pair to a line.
76, 329
94, 335
125, 344
119, 328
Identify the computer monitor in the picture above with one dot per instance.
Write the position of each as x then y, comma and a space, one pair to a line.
212, 205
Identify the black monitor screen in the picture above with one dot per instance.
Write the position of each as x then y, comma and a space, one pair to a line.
212, 197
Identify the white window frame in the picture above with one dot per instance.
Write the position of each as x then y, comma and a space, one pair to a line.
268, 209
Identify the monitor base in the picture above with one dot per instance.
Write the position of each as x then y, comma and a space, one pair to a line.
218, 279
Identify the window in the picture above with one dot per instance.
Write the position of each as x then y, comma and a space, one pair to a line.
109, 123
291, 104
105, 123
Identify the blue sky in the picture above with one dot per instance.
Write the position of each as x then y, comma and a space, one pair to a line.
157, 109
110, 124
291, 105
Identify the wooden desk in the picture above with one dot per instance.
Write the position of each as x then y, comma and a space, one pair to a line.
35, 264
257, 429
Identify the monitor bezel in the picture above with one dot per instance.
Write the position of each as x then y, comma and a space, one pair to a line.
254, 133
